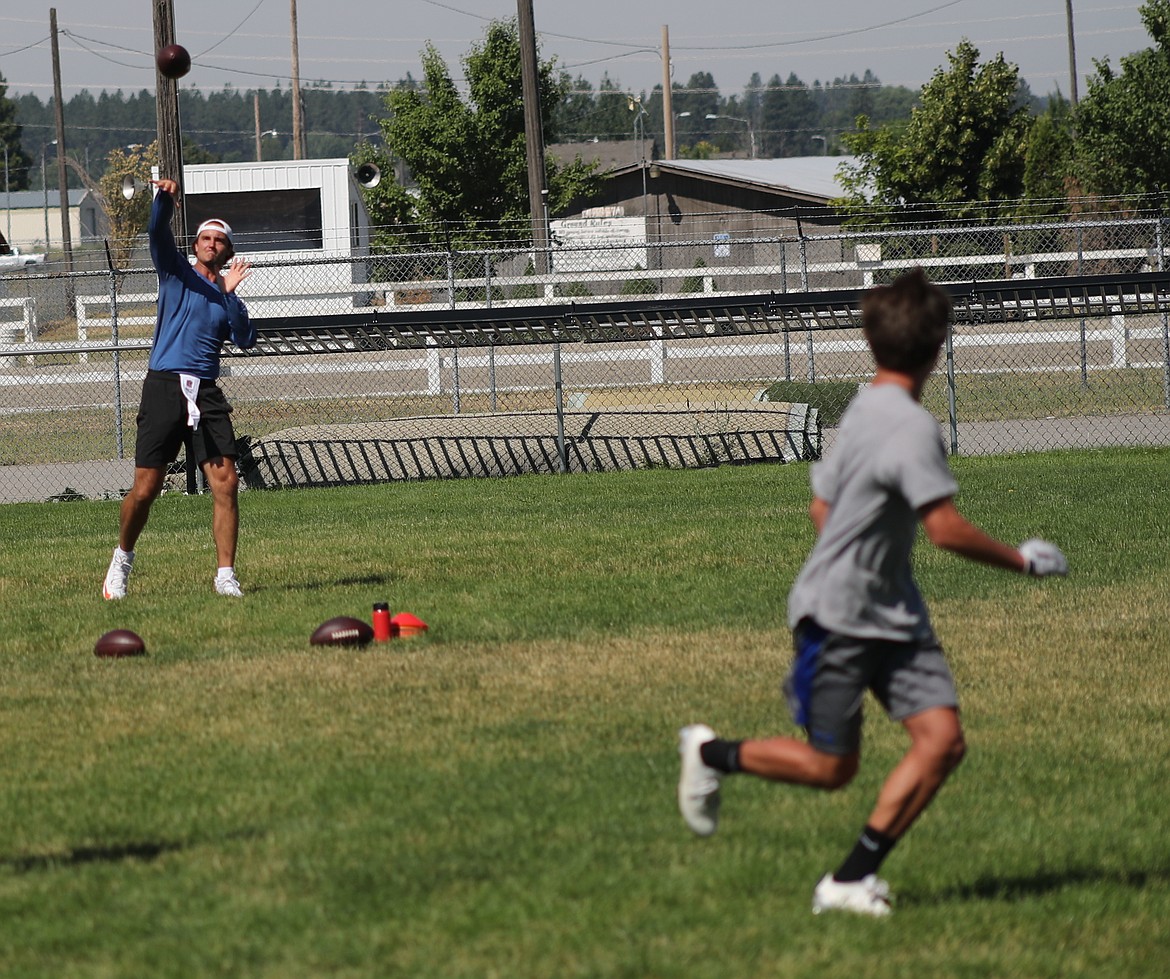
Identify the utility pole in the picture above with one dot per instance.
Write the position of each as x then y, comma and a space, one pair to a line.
667, 97
170, 133
298, 124
533, 134
1072, 54
62, 173
256, 113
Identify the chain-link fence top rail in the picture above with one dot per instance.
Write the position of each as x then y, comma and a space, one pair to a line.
646, 352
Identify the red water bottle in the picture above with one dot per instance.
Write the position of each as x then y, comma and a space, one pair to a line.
381, 621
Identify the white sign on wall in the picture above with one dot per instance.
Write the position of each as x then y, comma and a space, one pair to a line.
589, 244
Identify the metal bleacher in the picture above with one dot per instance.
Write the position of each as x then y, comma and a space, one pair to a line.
705, 316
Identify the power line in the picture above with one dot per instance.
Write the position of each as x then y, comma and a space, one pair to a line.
829, 37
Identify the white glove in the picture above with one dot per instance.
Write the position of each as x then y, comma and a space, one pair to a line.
1043, 558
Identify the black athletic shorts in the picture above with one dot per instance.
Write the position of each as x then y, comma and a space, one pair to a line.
163, 428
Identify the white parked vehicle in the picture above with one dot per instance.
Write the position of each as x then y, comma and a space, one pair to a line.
14, 258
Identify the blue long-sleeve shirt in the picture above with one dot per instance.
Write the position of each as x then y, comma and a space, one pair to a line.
195, 317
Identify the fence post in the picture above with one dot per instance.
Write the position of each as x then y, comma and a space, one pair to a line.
558, 388
434, 362
657, 360
952, 410
455, 393
117, 356
1165, 326
82, 327
1084, 343
492, 373
812, 369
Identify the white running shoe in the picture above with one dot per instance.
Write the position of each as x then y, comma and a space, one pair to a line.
229, 586
698, 783
116, 578
870, 895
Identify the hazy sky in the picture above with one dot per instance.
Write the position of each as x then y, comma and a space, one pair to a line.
107, 44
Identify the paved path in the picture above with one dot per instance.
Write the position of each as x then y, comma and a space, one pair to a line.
1044, 434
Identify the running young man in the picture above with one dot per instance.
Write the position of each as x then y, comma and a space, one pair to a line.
858, 619
198, 310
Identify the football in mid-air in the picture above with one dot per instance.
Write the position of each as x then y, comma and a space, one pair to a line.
119, 642
173, 61
344, 630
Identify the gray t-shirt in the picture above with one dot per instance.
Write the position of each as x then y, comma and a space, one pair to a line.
888, 460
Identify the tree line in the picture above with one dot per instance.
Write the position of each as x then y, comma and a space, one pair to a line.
971, 148
780, 117
973, 141
218, 127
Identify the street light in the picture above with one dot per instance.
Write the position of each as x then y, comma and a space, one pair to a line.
45, 190
747, 122
7, 197
677, 117
635, 105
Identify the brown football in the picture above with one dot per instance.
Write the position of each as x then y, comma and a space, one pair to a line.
119, 642
173, 61
344, 630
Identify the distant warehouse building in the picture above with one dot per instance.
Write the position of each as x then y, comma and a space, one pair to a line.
712, 213
31, 219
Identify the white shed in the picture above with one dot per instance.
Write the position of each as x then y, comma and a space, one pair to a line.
302, 223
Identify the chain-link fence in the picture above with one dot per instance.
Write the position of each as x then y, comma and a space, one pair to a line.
643, 352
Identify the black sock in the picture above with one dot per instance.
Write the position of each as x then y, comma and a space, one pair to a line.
868, 853
723, 756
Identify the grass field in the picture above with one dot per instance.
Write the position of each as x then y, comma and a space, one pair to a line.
496, 798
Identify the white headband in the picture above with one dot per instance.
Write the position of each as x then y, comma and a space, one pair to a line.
216, 224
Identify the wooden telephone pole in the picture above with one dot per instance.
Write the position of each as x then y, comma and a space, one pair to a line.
533, 135
298, 124
170, 133
667, 97
62, 173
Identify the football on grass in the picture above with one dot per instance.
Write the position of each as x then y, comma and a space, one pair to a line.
119, 642
344, 630
173, 61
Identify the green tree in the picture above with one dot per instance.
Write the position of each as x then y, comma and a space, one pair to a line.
389, 204
468, 158
126, 217
1123, 122
16, 170
612, 117
790, 118
583, 114
962, 148
1049, 164
574, 112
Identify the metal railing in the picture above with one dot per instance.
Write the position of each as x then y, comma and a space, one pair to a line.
1052, 346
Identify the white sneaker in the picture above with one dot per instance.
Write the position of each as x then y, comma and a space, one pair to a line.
698, 783
229, 586
116, 578
870, 895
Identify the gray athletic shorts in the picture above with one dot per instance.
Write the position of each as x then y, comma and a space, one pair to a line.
830, 674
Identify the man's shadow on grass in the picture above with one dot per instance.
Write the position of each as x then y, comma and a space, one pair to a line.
370, 580
1022, 887
143, 852
82, 855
